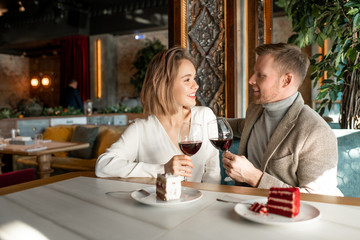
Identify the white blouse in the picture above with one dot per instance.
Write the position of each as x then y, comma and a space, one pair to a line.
145, 147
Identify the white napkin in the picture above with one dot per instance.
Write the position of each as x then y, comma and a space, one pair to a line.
20, 138
34, 149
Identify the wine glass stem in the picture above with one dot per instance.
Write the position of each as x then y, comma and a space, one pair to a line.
227, 178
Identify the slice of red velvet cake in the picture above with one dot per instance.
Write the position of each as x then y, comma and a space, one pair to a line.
284, 201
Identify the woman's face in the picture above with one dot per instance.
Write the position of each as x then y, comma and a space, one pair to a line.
185, 86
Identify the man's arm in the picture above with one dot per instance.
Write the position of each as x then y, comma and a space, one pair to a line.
237, 125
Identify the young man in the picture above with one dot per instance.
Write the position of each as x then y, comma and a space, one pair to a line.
70, 96
283, 142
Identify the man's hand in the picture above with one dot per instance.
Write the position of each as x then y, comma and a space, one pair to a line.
180, 165
241, 169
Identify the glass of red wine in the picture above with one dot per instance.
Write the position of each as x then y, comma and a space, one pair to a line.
220, 135
190, 138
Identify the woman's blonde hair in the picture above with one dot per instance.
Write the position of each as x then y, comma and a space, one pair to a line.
157, 91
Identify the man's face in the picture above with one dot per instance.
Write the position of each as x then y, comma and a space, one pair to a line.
265, 83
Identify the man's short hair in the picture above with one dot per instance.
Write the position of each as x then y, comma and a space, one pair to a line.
288, 58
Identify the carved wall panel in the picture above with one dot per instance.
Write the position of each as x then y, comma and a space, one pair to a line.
260, 22
206, 43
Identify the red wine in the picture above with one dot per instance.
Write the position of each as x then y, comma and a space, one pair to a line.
221, 144
190, 147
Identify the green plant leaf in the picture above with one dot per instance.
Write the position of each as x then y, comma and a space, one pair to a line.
328, 81
353, 11
142, 61
329, 105
333, 96
351, 3
356, 21
322, 94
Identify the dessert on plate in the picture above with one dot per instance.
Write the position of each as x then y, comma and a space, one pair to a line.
168, 187
284, 201
258, 207
281, 201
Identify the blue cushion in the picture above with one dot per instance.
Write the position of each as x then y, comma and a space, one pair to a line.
349, 162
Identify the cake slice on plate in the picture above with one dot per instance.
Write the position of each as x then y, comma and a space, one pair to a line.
284, 201
168, 187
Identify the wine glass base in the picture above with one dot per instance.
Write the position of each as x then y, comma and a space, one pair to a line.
228, 179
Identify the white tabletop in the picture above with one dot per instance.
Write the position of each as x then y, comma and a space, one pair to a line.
78, 208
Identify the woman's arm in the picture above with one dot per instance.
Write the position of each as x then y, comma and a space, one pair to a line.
120, 160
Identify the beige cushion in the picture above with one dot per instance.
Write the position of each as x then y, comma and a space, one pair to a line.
60, 134
106, 140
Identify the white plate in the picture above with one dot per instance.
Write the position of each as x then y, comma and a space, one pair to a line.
188, 195
307, 213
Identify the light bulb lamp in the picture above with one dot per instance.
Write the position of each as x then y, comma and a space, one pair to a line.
46, 81
35, 82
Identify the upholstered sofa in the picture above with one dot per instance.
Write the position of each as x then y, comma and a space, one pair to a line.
348, 161
99, 138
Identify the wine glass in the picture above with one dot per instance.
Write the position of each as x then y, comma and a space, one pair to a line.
220, 135
190, 138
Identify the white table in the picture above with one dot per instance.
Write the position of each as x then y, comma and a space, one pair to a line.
78, 208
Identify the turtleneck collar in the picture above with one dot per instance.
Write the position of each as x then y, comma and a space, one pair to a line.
280, 105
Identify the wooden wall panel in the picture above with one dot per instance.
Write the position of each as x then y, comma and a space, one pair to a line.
199, 25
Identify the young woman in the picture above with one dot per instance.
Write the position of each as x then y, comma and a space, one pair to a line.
150, 146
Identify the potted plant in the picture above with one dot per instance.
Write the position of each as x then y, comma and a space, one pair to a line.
31, 107
338, 72
142, 61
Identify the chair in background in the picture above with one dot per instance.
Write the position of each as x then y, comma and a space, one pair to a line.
16, 177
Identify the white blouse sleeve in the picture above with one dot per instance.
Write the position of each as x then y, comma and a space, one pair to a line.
120, 160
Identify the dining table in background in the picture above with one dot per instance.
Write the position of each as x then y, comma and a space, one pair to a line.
43, 156
78, 205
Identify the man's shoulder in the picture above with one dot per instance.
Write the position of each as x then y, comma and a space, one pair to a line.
253, 109
312, 121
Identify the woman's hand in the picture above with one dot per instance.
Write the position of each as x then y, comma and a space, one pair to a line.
241, 169
180, 165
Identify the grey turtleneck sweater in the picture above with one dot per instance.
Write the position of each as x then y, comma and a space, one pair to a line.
265, 126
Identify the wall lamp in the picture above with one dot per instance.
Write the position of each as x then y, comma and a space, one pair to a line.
45, 81
35, 82
98, 80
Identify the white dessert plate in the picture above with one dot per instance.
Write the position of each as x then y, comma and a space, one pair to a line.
307, 213
188, 195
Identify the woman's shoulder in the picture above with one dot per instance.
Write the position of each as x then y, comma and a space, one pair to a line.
145, 121
201, 109
142, 124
